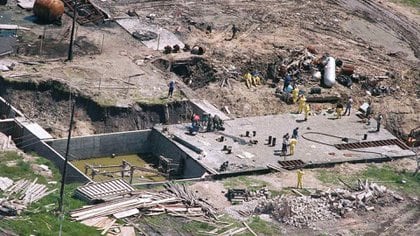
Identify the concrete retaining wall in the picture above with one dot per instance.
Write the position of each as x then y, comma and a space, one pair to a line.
7, 126
7, 110
29, 142
121, 143
161, 145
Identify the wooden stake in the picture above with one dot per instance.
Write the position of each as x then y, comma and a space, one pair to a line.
249, 228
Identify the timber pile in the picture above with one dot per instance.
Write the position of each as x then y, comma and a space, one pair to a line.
304, 211
178, 201
190, 199
108, 226
20, 194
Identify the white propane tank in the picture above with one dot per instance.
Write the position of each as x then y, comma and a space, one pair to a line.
329, 72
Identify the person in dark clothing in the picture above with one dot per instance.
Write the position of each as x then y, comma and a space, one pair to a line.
378, 122
369, 113
287, 80
217, 123
349, 104
171, 88
234, 31
284, 145
295, 133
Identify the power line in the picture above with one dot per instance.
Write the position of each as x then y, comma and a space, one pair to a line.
63, 178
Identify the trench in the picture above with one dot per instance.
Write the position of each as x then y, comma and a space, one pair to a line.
48, 104
196, 72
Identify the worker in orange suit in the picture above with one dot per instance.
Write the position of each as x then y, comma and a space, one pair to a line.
300, 174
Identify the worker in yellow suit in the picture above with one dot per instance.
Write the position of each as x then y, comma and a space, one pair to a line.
248, 80
292, 142
307, 111
256, 80
302, 103
339, 110
295, 94
300, 174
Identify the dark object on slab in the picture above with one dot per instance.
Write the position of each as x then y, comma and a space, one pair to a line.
144, 36
315, 90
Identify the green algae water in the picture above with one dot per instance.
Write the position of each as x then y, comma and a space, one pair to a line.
115, 172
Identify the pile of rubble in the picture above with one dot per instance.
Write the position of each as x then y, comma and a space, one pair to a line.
18, 195
299, 212
304, 211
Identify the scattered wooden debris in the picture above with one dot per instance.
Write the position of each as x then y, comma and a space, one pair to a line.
249, 228
190, 199
20, 194
178, 201
5, 183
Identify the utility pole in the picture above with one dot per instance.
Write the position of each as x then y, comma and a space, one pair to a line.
70, 52
66, 158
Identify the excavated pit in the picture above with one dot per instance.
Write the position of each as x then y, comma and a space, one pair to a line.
196, 72
47, 103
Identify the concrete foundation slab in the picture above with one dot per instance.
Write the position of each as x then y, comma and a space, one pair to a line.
208, 108
316, 141
164, 38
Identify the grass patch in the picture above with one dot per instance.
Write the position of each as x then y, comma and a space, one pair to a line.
244, 182
327, 176
262, 227
413, 3
41, 218
168, 225
18, 170
385, 175
394, 179
196, 227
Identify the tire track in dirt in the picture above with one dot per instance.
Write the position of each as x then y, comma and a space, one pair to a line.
405, 29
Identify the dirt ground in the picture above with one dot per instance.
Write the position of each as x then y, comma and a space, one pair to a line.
398, 219
113, 68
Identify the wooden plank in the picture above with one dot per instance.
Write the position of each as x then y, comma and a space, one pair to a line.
297, 192
249, 228
238, 231
108, 227
276, 168
93, 221
127, 231
12, 27
126, 213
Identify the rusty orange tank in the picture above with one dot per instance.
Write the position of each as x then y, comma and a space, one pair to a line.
49, 10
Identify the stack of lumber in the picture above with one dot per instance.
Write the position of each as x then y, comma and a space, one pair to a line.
20, 194
140, 202
176, 201
190, 199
